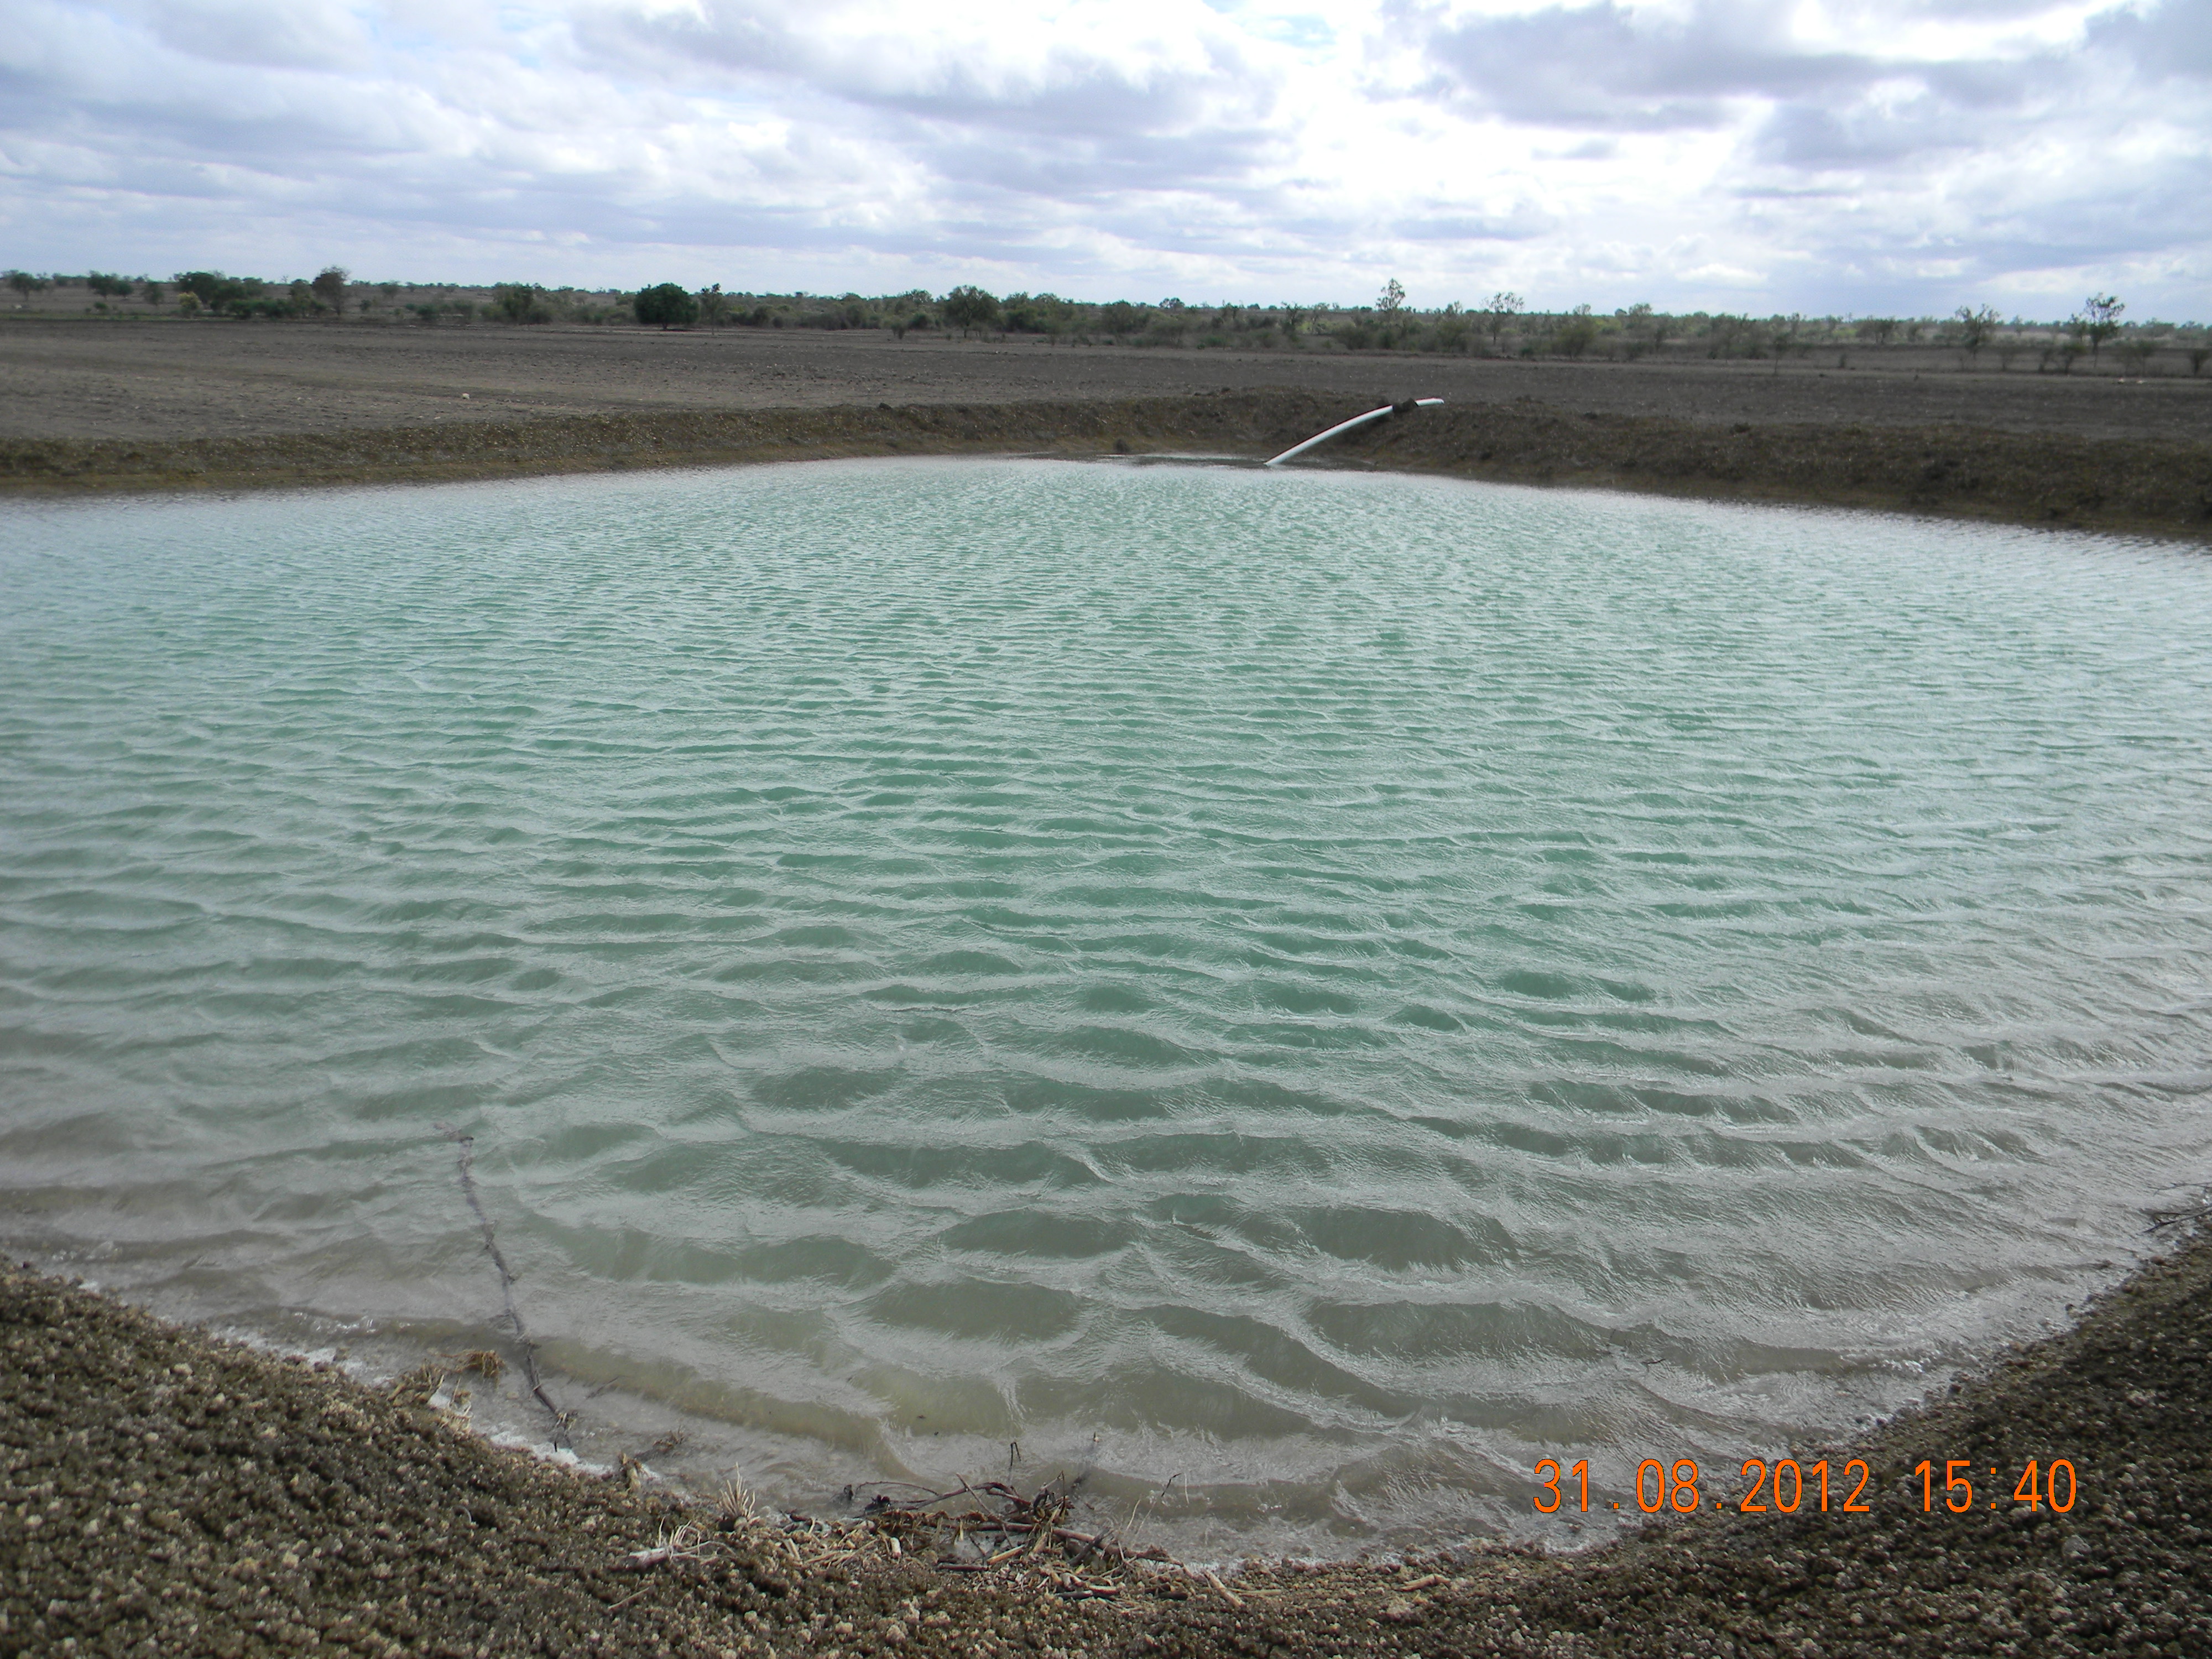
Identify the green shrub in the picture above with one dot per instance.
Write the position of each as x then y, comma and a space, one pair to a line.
520, 303
1575, 334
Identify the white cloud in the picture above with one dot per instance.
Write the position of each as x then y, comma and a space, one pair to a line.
1835, 155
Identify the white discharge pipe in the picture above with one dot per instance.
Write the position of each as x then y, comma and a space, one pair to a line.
1346, 426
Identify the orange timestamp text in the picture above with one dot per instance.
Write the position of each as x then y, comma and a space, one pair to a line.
1786, 1486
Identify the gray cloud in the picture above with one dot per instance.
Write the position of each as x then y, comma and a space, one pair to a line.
1066, 92
1608, 67
1523, 223
2174, 40
1859, 134
1051, 126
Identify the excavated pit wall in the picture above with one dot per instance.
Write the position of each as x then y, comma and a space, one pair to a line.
2125, 485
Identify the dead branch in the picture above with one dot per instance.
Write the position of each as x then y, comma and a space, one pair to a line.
465, 1154
2162, 1219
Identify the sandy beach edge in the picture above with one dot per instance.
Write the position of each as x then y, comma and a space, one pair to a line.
2045, 478
165, 1491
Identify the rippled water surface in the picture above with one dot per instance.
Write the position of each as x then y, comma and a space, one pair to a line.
1332, 987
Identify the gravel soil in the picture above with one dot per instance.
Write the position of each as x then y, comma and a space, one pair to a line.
162, 1492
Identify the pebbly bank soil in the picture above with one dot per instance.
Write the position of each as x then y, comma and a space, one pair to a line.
2037, 474
165, 1493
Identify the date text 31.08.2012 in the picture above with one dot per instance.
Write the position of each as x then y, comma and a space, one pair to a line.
1788, 1486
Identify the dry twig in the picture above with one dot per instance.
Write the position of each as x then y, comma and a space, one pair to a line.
467, 1143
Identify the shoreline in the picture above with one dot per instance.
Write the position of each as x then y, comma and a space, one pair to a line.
2051, 479
159, 1484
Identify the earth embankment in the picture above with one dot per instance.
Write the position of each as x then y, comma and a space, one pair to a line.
2135, 484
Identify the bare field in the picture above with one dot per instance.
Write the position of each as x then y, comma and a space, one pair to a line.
166, 379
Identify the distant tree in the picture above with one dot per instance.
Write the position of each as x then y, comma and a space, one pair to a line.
24, 283
1451, 328
1641, 318
1975, 328
667, 304
211, 289
714, 305
107, 285
1729, 334
1294, 319
1577, 334
969, 307
1498, 311
2098, 320
520, 303
1635, 330
151, 293
1880, 330
1392, 299
328, 289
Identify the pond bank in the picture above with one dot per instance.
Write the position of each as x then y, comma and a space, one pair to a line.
163, 1492
2140, 486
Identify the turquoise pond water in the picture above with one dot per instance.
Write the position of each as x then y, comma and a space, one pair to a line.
1334, 987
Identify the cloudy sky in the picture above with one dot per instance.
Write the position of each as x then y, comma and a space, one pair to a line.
1834, 155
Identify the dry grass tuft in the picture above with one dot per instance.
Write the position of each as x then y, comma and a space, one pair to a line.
420, 1386
735, 1505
